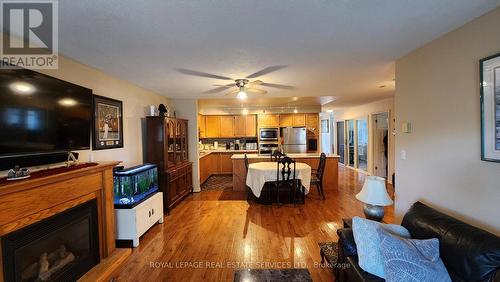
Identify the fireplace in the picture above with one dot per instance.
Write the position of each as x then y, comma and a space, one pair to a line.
60, 248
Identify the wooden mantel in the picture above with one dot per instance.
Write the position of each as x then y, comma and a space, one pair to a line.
25, 202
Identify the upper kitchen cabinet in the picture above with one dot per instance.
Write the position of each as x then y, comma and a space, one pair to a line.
312, 123
226, 126
268, 121
212, 126
201, 126
286, 120
250, 126
239, 126
299, 120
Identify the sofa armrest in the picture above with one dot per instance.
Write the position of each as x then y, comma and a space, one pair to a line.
346, 242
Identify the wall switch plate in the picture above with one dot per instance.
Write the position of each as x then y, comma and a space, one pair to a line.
406, 127
403, 154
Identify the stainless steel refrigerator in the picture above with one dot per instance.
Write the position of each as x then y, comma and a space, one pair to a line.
294, 140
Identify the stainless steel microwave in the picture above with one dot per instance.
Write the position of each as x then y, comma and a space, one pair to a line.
269, 134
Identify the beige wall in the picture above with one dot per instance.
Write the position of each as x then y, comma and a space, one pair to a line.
363, 112
437, 90
135, 101
188, 109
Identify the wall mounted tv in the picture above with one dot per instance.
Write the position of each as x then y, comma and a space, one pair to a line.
41, 116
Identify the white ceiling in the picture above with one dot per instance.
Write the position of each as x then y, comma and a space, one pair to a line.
342, 48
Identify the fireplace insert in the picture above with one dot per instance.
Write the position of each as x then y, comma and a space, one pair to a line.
60, 248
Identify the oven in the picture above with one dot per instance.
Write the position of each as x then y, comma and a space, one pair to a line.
267, 148
269, 134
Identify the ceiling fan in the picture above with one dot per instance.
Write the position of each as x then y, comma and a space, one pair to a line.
243, 85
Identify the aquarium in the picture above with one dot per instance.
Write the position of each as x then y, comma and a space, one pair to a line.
132, 185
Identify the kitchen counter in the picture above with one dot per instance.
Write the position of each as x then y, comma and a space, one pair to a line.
293, 156
330, 176
204, 153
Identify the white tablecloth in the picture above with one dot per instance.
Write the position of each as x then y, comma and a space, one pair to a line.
260, 173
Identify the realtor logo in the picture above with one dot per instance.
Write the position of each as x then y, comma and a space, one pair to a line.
29, 34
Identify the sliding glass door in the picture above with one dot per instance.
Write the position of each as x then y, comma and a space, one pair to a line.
341, 141
362, 144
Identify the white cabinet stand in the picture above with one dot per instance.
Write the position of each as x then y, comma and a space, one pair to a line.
132, 223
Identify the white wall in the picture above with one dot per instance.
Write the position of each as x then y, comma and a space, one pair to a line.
437, 90
188, 109
135, 101
364, 111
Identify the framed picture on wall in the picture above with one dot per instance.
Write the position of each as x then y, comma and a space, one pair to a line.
490, 108
107, 123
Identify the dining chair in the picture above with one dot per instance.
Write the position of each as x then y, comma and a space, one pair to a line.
286, 168
317, 175
277, 155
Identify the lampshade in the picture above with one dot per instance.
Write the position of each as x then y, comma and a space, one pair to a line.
374, 192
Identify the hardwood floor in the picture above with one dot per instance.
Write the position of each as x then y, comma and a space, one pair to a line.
210, 234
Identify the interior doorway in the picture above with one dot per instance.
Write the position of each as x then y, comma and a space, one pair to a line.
341, 141
380, 129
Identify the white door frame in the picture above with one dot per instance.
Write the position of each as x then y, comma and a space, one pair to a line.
372, 139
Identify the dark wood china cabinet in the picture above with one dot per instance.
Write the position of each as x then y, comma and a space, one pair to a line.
167, 146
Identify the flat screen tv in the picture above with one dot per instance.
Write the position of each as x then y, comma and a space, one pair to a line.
41, 115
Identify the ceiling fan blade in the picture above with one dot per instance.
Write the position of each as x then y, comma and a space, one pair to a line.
255, 91
217, 90
232, 92
202, 74
280, 86
255, 82
227, 85
266, 71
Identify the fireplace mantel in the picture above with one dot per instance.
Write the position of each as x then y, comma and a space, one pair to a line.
28, 201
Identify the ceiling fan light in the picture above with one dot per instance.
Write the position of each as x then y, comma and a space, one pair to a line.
242, 95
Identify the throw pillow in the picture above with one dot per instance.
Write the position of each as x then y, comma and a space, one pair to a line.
411, 260
368, 243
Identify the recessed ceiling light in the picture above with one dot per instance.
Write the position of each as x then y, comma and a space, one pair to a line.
244, 111
295, 111
22, 88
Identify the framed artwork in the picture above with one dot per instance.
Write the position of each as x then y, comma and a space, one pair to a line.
490, 108
107, 123
325, 128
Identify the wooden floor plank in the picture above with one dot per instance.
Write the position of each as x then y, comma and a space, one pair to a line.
211, 233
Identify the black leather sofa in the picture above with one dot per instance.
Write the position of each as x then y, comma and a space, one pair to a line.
469, 253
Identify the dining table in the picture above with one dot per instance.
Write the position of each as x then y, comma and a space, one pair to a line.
261, 172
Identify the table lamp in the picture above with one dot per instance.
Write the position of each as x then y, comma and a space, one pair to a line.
374, 195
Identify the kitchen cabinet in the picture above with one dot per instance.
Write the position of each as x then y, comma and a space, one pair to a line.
167, 146
212, 126
299, 120
239, 126
226, 126
201, 126
268, 121
251, 126
225, 163
312, 123
286, 120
